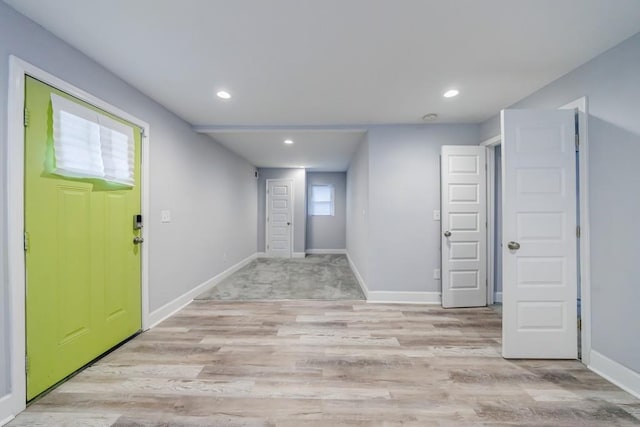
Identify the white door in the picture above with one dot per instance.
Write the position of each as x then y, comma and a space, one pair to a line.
463, 219
279, 214
539, 234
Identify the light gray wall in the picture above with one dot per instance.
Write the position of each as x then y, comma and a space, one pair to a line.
404, 190
328, 232
358, 209
612, 84
298, 176
210, 191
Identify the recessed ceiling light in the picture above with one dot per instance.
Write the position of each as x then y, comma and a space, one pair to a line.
451, 93
223, 94
288, 141
430, 117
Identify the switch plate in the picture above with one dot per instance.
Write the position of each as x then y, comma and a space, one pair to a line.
436, 215
165, 216
436, 274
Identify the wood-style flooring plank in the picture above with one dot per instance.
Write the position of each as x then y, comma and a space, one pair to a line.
328, 363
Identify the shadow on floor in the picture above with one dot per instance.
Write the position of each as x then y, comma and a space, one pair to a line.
316, 277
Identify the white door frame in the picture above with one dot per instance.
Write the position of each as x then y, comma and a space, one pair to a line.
581, 105
15, 401
266, 215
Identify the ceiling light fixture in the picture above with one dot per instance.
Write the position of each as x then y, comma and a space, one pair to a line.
288, 141
223, 94
451, 93
430, 117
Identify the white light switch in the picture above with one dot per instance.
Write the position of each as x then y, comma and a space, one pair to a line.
436, 274
436, 215
165, 216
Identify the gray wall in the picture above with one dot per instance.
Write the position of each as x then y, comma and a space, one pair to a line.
612, 84
210, 191
358, 209
299, 204
404, 190
328, 232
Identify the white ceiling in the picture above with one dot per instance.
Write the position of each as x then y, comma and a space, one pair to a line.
333, 62
316, 150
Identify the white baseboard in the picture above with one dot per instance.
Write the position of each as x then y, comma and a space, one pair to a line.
8, 408
618, 374
179, 303
361, 282
261, 255
497, 297
326, 251
391, 296
405, 297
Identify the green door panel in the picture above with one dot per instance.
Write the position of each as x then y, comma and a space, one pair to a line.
83, 269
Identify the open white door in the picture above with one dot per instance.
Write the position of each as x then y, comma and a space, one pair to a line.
279, 218
539, 231
463, 219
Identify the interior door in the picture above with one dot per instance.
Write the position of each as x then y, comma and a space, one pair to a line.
539, 231
279, 214
83, 268
463, 220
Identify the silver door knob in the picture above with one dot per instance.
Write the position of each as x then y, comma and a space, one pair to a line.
137, 240
514, 246
447, 233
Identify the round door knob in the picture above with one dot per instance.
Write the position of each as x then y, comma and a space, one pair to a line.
137, 240
514, 246
447, 233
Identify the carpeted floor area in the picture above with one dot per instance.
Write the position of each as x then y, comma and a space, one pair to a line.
316, 277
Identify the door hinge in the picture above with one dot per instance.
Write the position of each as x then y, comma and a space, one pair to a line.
579, 324
26, 241
142, 134
578, 231
27, 364
577, 139
26, 117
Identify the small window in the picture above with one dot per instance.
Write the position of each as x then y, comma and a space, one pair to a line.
322, 200
88, 144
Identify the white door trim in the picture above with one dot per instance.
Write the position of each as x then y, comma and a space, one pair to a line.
266, 215
585, 239
582, 106
15, 402
491, 145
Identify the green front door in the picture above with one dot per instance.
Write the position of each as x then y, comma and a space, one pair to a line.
83, 269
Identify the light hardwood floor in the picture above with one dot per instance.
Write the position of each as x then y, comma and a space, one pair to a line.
323, 363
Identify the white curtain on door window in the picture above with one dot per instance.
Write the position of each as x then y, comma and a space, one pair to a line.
88, 144
116, 141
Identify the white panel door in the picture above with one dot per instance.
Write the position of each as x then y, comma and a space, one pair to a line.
539, 251
463, 219
279, 214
